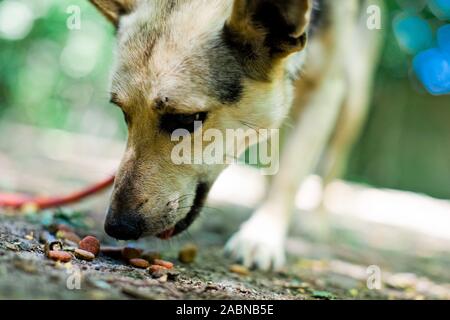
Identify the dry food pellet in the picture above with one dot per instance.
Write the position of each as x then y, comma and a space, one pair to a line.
162, 263
84, 255
61, 256
90, 244
238, 269
155, 268
139, 263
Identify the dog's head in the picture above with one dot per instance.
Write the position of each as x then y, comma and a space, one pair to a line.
225, 63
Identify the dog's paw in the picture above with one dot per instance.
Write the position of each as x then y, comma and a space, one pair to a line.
259, 243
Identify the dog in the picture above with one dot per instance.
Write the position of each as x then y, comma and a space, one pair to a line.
227, 64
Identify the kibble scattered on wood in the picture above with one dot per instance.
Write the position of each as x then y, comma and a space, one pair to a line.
162, 263
129, 253
84, 255
61, 256
188, 253
240, 270
139, 263
90, 244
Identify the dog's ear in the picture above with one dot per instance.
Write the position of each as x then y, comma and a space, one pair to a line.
113, 9
279, 25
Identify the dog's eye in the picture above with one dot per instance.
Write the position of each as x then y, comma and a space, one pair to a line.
171, 121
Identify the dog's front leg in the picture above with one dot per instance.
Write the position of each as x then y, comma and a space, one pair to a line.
260, 241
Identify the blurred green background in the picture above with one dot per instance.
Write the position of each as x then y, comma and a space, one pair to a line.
53, 77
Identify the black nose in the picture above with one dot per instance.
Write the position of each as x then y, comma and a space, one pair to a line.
124, 226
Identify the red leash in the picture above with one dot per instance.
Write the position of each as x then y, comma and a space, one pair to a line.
18, 201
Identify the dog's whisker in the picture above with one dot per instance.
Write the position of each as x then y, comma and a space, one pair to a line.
250, 125
188, 207
183, 197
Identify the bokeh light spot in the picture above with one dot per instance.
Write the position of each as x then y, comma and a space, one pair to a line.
413, 33
16, 20
433, 69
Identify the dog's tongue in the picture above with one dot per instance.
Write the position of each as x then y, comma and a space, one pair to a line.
166, 235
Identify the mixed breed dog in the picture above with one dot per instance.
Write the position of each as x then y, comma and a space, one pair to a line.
234, 64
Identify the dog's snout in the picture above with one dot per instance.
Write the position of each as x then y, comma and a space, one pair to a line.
124, 226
